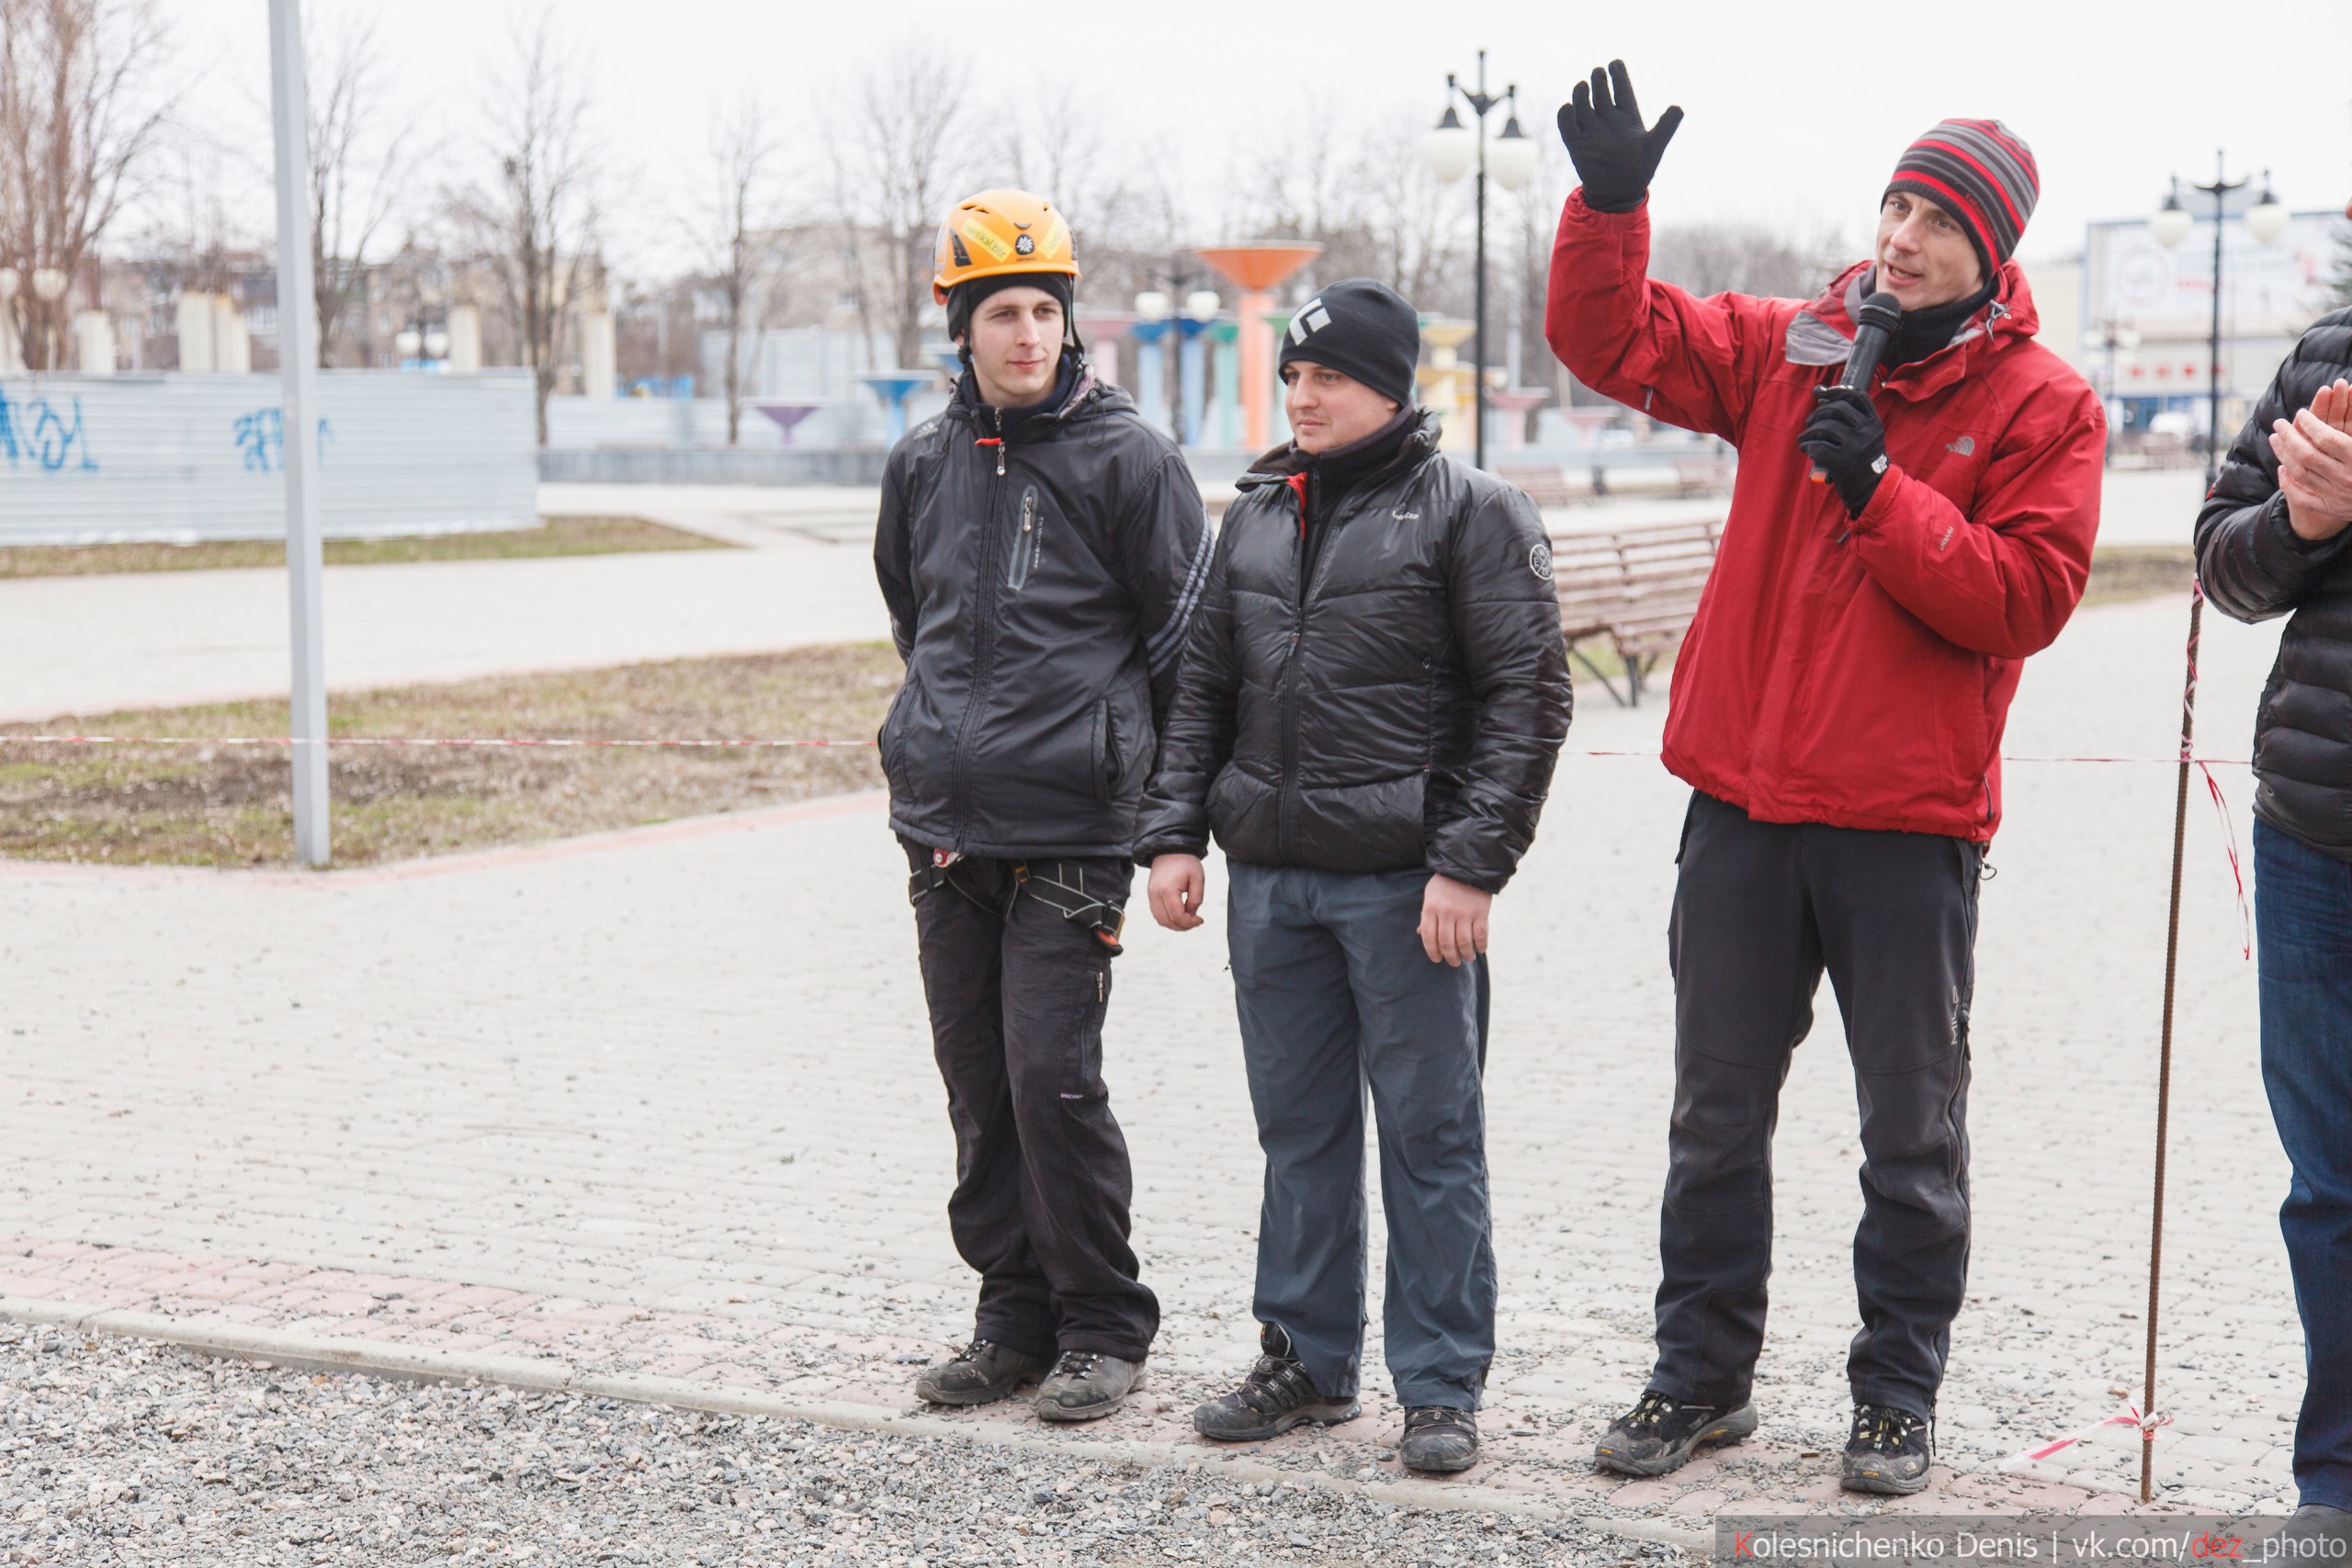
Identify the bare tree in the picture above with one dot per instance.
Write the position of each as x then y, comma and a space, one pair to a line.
537, 219
1355, 183
358, 165
1762, 259
77, 118
739, 249
895, 155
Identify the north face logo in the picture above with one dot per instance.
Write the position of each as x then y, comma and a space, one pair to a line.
1312, 317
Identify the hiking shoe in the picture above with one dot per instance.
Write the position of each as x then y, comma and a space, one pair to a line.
981, 1373
1086, 1385
1439, 1440
2313, 1532
1888, 1452
1275, 1397
1661, 1433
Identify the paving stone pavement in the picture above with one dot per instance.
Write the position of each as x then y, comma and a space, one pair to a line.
661, 1106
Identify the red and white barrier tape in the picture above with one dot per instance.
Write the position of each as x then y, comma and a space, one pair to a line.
398, 740
753, 744
2128, 1417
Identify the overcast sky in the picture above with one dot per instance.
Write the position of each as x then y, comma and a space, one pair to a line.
1795, 112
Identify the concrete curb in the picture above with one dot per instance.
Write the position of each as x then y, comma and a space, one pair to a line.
324, 1353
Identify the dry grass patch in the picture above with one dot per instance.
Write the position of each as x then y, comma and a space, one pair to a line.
554, 537
231, 806
2123, 572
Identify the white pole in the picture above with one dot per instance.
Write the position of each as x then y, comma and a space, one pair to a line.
298, 349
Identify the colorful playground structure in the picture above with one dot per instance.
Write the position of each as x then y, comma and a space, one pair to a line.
1225, 395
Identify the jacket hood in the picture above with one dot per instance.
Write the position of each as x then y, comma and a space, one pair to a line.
1277, 464
1823, 332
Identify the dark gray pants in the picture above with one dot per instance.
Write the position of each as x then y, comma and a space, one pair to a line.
1017, 994
1760, 910
1336, 996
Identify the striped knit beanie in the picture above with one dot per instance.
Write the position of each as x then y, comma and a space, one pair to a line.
1980, 173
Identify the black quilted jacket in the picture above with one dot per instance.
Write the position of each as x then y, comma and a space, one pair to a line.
1401, 708
2254, 568
1039, 586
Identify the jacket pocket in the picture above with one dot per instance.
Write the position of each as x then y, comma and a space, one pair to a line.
1102, 752
1026, 529
893, 738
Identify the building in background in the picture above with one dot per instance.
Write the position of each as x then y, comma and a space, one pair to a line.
2142, 336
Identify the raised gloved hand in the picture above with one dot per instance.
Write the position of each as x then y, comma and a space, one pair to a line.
1847, 443
1615, 156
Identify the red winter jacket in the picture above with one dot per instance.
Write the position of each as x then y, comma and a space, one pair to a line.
1851, 671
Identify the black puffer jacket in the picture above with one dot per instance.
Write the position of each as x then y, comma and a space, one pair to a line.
1401, 708
2254, 567
1040, 587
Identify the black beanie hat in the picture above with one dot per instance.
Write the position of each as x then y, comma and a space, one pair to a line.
966, 296
1363, 329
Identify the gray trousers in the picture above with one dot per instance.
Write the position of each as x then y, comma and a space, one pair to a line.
1336, 996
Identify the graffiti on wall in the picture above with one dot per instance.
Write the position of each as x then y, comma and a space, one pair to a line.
41, 433
261, 439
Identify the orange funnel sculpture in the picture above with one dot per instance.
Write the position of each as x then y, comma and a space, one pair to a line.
1256, 269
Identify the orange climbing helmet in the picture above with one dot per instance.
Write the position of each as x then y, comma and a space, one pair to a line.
998, 232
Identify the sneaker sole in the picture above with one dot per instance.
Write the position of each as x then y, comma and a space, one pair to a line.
973, 1396
1328, 1415
1091, 1413
1881, 1485
1447, 1468
1730, 1430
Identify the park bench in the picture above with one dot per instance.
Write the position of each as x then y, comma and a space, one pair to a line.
1637, 587
1547, 486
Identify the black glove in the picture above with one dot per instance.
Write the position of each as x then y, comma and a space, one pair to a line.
1615, 156
1846, 441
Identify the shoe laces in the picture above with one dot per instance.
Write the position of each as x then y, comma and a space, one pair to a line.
1435, 1416
1267, 1387
1652, 1409
976, 1349
1077, 1364
1885, 1427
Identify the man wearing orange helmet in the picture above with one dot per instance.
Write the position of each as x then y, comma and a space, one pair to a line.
1041, 548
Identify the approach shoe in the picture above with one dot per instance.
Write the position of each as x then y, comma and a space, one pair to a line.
1086, 1385
1888, 1452
981, 1373
1275, 1397
1661, 1433
2312, 1533
1439, 1440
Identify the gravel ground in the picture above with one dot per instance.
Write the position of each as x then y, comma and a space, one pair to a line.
123, 1451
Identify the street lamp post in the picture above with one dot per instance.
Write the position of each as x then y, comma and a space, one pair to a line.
1454, 150
2265, 220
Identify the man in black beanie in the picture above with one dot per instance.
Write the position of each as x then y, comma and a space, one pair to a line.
1370, 706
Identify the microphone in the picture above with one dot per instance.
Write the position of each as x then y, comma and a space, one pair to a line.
1880, 314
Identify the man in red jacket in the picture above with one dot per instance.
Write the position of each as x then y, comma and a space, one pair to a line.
1837, 710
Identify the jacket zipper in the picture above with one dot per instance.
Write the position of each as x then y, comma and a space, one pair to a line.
984, 649
1284, 812
1024, 544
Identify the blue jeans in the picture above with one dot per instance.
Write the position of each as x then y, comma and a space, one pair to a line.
1336, 996
2303, 907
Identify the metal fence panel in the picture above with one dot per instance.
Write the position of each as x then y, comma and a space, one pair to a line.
183, 457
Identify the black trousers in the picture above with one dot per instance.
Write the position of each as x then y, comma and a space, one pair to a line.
1760, 910
1017, 993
